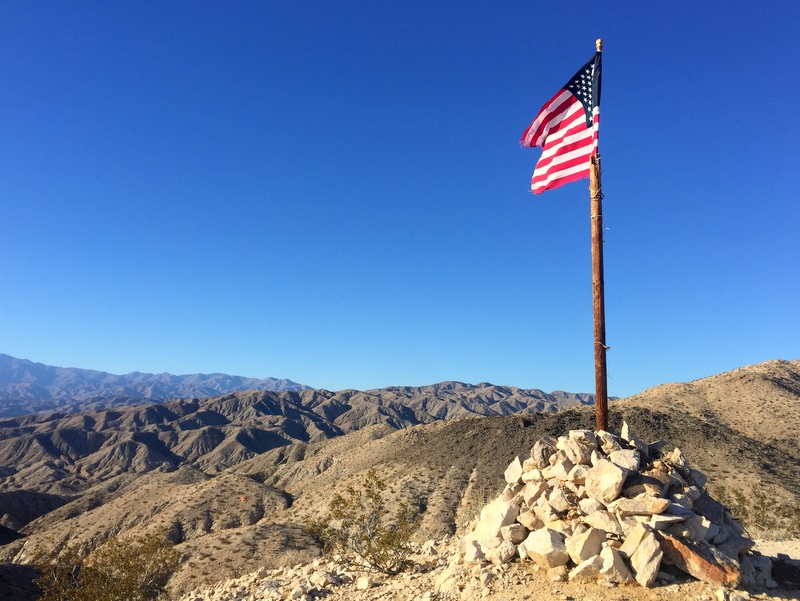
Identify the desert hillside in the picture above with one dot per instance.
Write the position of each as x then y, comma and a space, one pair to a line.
760, 400
247, 511
63, 453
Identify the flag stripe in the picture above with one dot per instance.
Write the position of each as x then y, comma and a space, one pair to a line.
566, 133
549, 118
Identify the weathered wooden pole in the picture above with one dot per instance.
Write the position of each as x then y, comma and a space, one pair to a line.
598, 297
598, 291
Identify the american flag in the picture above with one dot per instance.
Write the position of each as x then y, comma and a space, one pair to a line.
566, 129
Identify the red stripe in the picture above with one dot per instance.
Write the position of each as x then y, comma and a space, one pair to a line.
555, 183
562, 148
549, 120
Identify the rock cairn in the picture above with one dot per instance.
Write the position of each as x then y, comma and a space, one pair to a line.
600, 506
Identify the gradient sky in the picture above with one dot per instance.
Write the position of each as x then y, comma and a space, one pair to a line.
334, 192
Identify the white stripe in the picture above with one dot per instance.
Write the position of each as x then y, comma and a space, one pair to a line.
557, 173
559, 130
581, 136
548, 117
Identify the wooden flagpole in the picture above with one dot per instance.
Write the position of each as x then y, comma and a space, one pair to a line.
598, 291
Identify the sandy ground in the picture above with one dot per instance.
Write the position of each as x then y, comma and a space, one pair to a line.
771, 548
515, 581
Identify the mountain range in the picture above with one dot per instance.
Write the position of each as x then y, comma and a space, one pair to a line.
233, 478
62, 452
28, 387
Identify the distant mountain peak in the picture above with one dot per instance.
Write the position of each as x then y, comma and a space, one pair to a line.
29, 387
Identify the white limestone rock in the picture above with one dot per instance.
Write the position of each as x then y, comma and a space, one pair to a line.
503, 553
587, 569
627, 459
546, 547
558, 500
542, 450
530, 520
578, 474
473, 552
515, 533
532, 492
559, 469
608, 442
493, 517
585, 437
589, 505
605, 481
584, 545
646, 559
664, 521
513, 473
579, 453
614, 568
605, 521
644, 505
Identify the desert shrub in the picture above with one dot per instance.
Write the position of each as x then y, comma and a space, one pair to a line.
761, 512
359, 527
119, 570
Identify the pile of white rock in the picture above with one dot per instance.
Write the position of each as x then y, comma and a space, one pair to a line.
596, 505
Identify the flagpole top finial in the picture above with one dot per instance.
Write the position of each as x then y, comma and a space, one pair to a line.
599, 44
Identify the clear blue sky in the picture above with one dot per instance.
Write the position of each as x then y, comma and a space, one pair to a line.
333, 192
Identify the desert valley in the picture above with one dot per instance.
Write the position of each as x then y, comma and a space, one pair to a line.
232, 471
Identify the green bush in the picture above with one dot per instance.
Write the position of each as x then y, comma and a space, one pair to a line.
360, 528
761, 512
119, 570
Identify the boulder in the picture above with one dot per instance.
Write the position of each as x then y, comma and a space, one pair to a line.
558, 500
559, 469
589, 568
643, 550
644, 505
735, 545
604, 481
662, 521
532, 492
603, 520
533, 475
585, 437
608, 442
578, 452
530, 520
627, 459
542, 450
513, 473
578, 474
503, 553
614, 568
516, 533
585, 544
589, 505
473, 552
546, 547
700, 560
633, 539
510, 492
646, 559
493, 517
